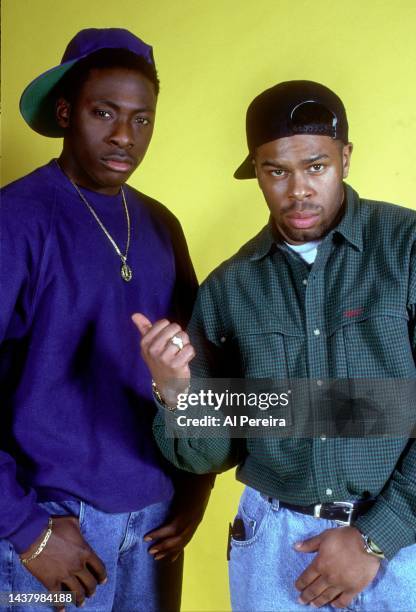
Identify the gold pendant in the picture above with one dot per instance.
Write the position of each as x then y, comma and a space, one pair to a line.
126, 273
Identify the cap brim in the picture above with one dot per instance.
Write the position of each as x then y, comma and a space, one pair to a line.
37, 106
246, 169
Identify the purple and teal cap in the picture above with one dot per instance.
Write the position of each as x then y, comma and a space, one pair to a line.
290, 108
37, 106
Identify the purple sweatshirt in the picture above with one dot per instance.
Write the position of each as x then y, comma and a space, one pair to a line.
76, 408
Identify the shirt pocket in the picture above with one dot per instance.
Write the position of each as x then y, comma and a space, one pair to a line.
376, 344
263, 353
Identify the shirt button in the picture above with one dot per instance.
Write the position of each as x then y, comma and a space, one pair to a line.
323, 438
316, 332
223, 339
328, 492
319, 383
305, 281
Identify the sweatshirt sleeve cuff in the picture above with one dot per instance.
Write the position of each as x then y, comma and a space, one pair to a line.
30, 529
388, 531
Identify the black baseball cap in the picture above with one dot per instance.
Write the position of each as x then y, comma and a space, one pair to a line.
290, 108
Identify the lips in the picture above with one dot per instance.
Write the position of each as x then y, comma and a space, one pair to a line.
302, 221
118, 163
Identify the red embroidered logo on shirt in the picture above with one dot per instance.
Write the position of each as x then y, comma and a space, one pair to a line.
353, 313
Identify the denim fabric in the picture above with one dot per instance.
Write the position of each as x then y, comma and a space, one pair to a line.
263, 567
136, 582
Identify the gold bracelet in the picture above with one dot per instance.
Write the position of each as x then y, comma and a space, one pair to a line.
41, 545
160, 399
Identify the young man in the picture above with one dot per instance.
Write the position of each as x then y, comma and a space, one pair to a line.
327, 290
87, 499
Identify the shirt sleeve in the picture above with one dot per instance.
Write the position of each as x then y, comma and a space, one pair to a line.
199, 454
184, 296
391, 522
186, 283
21, 519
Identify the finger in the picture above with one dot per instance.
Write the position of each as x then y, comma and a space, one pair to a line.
97, 568
153, 331
73, 584
307, 577
343, 600
173, 557
313, 590
142, 323
165, 531
168, 545
311, 545
183, 336
88, 581
184, 356
156, 341
171, 349
326, 597
164, 338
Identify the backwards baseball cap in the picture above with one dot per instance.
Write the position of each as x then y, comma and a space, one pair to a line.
290, 108
37, 105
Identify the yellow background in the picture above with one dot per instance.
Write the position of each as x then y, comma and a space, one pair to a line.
213, 57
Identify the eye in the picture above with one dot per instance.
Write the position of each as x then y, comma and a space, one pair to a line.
143, 120
277, 172
102, 114
316, 167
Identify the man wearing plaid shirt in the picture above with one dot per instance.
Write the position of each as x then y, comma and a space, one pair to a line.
327, 290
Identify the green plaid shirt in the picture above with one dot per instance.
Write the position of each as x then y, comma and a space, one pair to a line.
265, 313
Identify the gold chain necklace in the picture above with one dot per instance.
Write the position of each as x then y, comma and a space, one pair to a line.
125, 271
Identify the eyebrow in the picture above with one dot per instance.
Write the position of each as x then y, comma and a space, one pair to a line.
308, 160
115, 106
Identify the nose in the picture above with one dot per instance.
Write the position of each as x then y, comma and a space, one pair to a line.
299, 188
122, 135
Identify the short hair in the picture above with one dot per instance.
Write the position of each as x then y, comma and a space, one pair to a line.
71, 83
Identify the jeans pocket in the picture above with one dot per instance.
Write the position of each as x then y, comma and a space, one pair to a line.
251, 518
66, 508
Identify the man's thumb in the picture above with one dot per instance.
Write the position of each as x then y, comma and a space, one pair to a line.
141, 322
311, 545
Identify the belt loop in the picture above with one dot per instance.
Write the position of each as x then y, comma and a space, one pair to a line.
271, 500
274, 503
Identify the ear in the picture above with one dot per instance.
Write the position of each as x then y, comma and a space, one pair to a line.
63, 112
346, 159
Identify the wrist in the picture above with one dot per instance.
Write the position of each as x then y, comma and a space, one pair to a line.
171, 405
370, 547
168, 400
38, 546
30, 530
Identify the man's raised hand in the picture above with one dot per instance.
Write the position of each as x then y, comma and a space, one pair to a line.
167, 362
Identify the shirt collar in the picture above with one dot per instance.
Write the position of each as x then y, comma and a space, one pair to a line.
349, 227
264, 242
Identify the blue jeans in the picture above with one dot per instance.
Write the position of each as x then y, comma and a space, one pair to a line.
136, 581
263, 567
